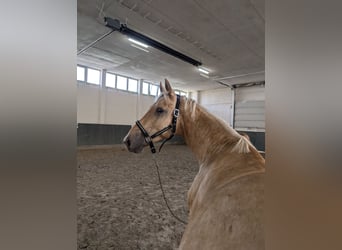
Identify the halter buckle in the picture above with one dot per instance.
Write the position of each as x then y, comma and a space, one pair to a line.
148, 139
176, 113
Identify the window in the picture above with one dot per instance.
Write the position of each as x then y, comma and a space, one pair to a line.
80, 73
93, 76
181, 93
150, 89
145, 88
121, 82
133, 85
153, 89
110, 80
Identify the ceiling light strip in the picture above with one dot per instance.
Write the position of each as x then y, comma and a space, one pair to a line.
203, 71
139, 43
135, 46
116, 25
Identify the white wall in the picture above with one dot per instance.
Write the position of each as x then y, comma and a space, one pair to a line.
253, 93
109, 106
250, 108
217, 101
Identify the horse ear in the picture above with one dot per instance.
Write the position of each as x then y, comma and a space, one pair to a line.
168, 87
162, 89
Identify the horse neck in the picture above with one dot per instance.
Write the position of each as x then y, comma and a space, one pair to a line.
205, 134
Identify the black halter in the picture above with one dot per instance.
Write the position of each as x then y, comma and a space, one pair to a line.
172, 126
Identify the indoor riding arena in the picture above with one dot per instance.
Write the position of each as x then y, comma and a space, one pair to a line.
212, 53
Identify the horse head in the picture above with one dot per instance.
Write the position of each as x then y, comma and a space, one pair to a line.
156, 124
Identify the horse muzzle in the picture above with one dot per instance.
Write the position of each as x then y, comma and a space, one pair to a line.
134, 143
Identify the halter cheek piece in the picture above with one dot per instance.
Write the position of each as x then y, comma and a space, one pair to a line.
172, 126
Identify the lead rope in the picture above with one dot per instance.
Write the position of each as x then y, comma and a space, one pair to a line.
162, 189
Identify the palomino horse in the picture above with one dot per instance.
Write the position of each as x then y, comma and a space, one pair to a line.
226, 198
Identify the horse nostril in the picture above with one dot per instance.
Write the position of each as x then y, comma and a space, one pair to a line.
128, 142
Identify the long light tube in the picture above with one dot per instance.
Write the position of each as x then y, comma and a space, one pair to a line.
147, 41
137, 42
203, 71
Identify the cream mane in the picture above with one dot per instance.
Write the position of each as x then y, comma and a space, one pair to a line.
242, 146
190, 106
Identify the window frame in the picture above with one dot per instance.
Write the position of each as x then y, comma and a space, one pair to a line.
100, 77
105, 83
84, 74
116, 82
137, 80
148, 88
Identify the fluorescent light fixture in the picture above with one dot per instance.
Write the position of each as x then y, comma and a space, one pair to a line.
203, 71
137, 42
135, 46
203, 75
115, 24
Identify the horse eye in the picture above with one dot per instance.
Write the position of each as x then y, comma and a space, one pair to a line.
159, 110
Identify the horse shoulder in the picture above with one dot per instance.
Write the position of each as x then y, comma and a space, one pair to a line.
231, 218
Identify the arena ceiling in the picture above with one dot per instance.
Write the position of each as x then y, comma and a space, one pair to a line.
227, 36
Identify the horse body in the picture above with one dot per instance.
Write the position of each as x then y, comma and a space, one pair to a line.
226, 197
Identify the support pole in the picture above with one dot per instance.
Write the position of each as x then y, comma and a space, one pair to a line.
94, 42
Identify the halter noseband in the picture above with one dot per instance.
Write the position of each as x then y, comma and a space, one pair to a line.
172, 126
